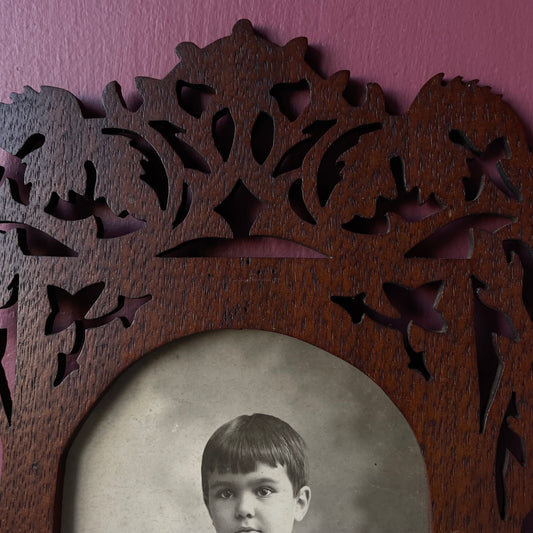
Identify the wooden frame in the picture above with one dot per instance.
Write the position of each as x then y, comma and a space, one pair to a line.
247, 192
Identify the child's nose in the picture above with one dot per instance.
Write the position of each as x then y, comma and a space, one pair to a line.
245, 507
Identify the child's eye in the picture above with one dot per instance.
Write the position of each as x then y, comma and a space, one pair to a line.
225, 494
264, 491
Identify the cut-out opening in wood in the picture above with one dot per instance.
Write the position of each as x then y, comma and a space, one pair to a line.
407, 204
262, 137
455, 240
486, 164
81, 206
223, 130
8, 350
193, 97
489, 324
416, 306
292, 98
240, 209
135, 464
190, 157
155, 174
294, 157
70, 311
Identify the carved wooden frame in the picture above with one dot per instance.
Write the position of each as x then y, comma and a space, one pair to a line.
246, 191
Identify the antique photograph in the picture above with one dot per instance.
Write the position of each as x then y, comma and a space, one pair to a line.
245, 431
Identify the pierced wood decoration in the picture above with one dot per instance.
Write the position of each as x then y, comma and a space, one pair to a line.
246, 191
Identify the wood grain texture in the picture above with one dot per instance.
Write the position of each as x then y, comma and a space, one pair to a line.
393, 214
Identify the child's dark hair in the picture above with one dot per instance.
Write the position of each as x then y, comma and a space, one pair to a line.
241, 443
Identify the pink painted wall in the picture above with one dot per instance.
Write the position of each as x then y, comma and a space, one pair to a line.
81, 45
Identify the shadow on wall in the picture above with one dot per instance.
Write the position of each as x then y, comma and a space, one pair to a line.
135, 465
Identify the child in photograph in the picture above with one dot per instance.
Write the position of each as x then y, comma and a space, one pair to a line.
254, 476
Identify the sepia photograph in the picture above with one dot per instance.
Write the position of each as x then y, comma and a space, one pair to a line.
245, 431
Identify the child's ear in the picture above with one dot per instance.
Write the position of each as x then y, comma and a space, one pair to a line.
303, 499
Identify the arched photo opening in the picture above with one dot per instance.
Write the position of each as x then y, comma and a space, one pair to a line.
135, 463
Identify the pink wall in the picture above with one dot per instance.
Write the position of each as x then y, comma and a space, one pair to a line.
81, 45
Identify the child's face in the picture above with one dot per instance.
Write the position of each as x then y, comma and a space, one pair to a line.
260, 501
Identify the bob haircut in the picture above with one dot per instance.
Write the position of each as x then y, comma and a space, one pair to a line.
240, 444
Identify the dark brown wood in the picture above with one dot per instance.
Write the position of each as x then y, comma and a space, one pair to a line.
246, 192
